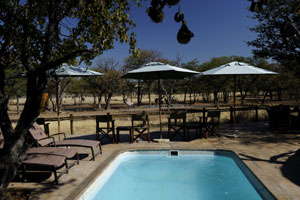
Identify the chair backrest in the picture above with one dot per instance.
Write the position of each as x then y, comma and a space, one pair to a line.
141, 119
1, 140
42, 121
108, 119
104, 118
279, 117
177, 118
38, 133
213, 116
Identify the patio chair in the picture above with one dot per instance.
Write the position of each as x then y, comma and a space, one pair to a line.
43, 162
105, 125
43, 140
295, 119
140, 124
196, 125
177, 124
279, 118
212, 123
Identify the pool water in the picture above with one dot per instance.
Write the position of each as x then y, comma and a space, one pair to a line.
190, 176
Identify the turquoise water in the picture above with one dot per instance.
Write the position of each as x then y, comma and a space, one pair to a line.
186, 177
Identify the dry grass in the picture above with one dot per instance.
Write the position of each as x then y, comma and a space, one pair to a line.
89, 126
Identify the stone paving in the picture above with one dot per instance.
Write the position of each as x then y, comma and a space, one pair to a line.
271, 157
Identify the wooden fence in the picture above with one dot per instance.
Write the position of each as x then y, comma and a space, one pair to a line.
202, 110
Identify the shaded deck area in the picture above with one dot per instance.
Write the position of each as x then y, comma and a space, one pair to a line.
271, 157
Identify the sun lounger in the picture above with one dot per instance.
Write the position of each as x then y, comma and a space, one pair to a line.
68, 153
43, 140
42, 162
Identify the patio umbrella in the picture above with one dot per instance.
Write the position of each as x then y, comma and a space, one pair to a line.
158, 71
236, 68
64, 71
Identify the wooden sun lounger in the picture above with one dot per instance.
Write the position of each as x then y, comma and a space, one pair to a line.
43, 140
68, 153
43, 162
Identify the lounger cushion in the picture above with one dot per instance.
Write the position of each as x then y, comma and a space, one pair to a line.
45, 160
75, 142
69, 153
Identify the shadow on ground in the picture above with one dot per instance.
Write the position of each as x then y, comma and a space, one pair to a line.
289, 168
124, 138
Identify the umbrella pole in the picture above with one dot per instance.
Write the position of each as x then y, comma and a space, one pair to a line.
234, 102
159, 108
57, 104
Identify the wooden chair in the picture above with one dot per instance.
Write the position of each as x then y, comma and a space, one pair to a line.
279, 118
196, 125
105, 125
177, 123
212, 123
140, 124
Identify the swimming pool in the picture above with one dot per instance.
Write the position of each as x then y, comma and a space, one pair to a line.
176, 174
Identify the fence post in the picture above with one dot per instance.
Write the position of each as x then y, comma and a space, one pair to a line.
71, 124
231, 114
256, 113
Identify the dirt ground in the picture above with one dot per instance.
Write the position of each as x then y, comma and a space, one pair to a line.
122, 113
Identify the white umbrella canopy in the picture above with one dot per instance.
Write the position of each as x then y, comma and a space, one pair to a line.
236, 68
71, 71
158, 71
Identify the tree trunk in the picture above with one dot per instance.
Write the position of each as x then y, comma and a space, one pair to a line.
185, 92
271, 95
216, 99
95, 99
279, 96
226, 97
99, 101
264, 97
149, 92
107, 101
53, 104
17, 141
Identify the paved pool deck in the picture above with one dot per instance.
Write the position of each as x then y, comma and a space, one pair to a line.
271, 157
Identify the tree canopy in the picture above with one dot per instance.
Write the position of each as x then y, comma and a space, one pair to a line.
278, 30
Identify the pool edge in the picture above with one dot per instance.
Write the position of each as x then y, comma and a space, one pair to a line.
80, 189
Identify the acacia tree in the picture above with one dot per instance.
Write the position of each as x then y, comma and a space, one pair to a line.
42, 35
109, 84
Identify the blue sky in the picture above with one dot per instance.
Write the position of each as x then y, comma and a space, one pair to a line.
220, 28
